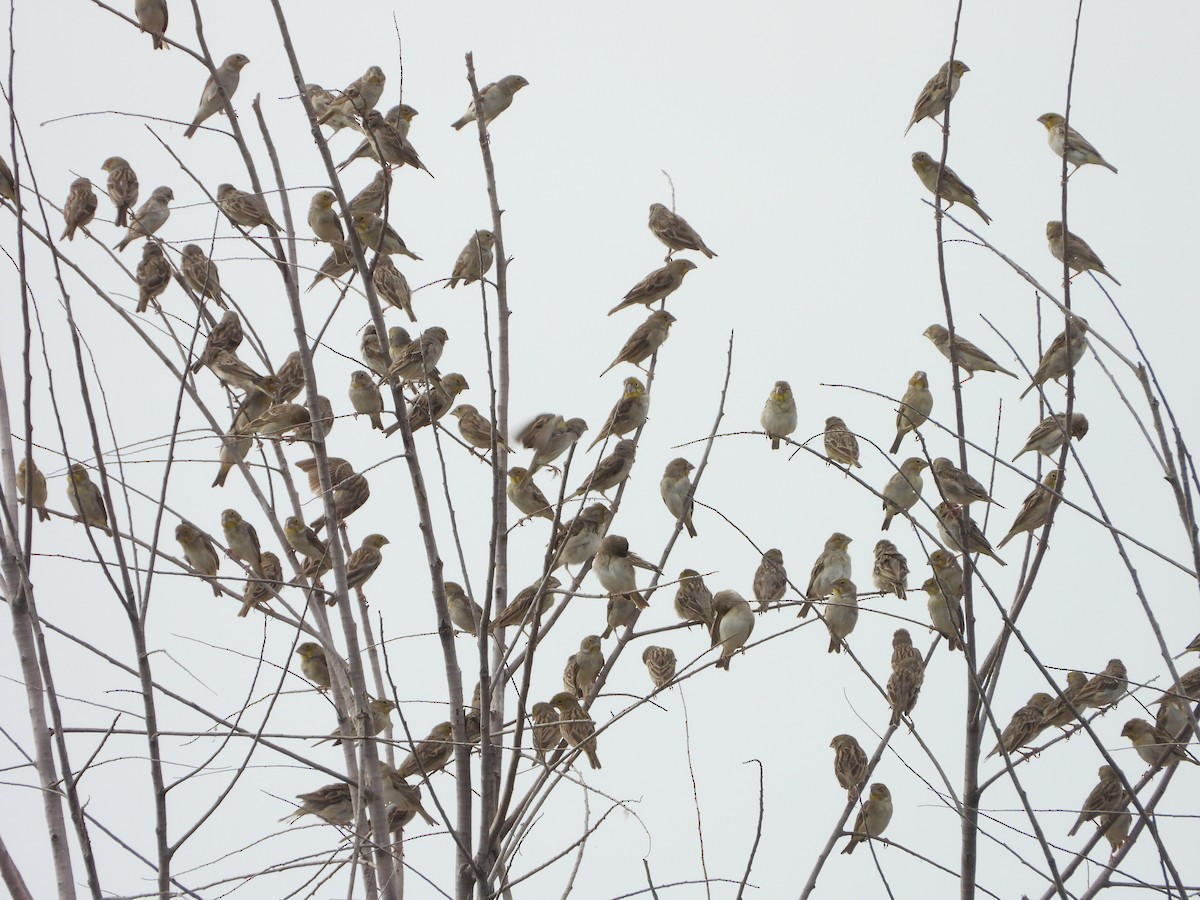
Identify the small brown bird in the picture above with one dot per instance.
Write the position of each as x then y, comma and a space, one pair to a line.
199, 553
152, 19
153, 276
948, 573
549, 436
477, 430
903, 489
610, 471
430, 755
770, 580
544, 731
849, 764
364, 561
31, 485
939, 90
628, 414
465, 613
951, 188
433, 402
1065, 141
693, 599
262, 589
1108, 796
832, 564
314, 664
645, 340
122, 188
915, 407
779, 417
225, 337
841, 446
675, 488
945, 614
418, 360
496, 98
200, 274
365, 398
576, 725
660, 662
80, 207
674, 231
1105, 688
1155, 746
1079, 256
1059, 713
350, 490
908, 674
583, 667
1061, 357
1035, 509
86, 499
392, 286
614, 566
474, 261
578, 540
1050, 434
963, 353
526, 496
520, 609
733, 621
890, 573
957, 529
841, 612
1026, 724
247, 210
658, 285
957, 486
873, 817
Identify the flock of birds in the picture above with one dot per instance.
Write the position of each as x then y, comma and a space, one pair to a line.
267, 410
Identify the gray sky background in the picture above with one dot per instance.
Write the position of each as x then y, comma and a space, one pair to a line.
781, 127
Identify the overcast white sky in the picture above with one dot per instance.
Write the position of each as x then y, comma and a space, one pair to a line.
781, 126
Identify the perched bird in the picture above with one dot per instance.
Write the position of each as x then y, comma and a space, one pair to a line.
234, 447
402, 799
963, 353
841, 446
948, 573
434, 402
323, 219
225, 337
779, 413
890, 573
430, 755
849, 764
1172, 716
372, 353
152, 20
364, 561
241, 539
1190, 682
321, 100
373, 198
282, 418
957, 486
693, 599
79, 208
583, 667
580, 538
385, 144
628, 414
150, 217
477, 430
1035, 509
260, 590
960, 533
938, 92
674, 231
336, 264
365, 398
239, 376
86, 499
908, 674
520, 608
1155, 746
474, 261
610, 471
8, 186
903, 489
380, 713
1060, 712
289, 380
619, 612
549, 436
841, 612
1079, 256
915, 407
361, 95
526, 496
199, 553
122, 187
770, 580
1115, 828
952, 189
1052, 432
496, 98
381, 237
946, 615
614, 564
1062, 355
873, 817
350, 490
660, 662
645, 340
220, 87
733, 621
576, 725
1106, 797
153, 275
246, 210
314, 665
31, 485
675, 487
305, 541
392, 286
200, 274
418, 360
1025, 725
1105, 688
1066, 142
465, 613
544, 731
832, 564
333, 803
656, 286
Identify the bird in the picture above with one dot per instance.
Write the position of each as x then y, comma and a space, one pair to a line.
418, 360
247, 210
908, 675
583, 667
1079, 256
496, 98
430, 755
363, 562
225, 337
526, 496
770, 580
873, 818
1024, 726
849, 764
476, 429
951, 188
693, 599
234, 447
549, 436
957, 529
610, 471
150, 217
915, 407
660, 662
614, 566
1052, 432
239, 376
31, 485
260, 590
656, 286
628, 414
385, 144
474, 261
306, 542
956, 486
200, 274
963, 353
152, 19
381, 237
402, 799
841, 612
619, 612
938, 92
86, 499
365, 398
374, 197
350, 489
122, 187
947, 573
433, 403
221, 86
379, 712
8, 186
1061, 712
1066, 142
645, 340
841, 446
323, 219
890, 573
832, 564
903, 489
945, 614
778, 417
392, 286
733, 621
79, 208
576, 725
153, 275
360, 96
520, 607
333, 803
1155, 746
321, 100
199, 553
675, 232
1105, 688
1108, 796
1062, 355
1035, 509
544, 730
241, 539
465, 613
314, 665
675, 488
579, 539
